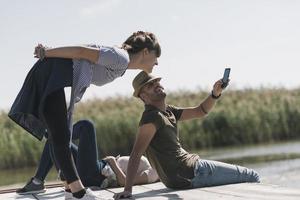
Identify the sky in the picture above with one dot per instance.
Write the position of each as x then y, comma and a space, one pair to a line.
259, 39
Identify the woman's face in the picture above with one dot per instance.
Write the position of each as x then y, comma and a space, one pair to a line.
149, 60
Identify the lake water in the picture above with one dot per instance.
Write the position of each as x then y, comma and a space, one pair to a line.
277, 164
272, 161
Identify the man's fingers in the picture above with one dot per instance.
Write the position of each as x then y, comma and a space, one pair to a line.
122, 196
218, 83
117, 196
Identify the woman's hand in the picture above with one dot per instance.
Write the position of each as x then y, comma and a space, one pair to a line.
40, 51
110, 159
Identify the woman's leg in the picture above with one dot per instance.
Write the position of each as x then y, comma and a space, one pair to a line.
45, 163
212, 173
55, 113
88, 166
74, 151
36, 183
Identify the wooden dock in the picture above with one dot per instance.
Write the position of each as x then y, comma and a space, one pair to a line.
157, 191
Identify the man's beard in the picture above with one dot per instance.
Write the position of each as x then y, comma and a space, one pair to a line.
159, 96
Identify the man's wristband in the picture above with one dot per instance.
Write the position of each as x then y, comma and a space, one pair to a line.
214, 96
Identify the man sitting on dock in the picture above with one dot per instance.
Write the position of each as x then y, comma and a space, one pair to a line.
158, 138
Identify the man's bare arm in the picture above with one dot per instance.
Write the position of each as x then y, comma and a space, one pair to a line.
144, 137
204, 107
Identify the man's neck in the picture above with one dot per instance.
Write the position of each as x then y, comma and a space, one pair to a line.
161, 105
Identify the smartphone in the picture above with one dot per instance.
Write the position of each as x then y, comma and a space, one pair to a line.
225, 78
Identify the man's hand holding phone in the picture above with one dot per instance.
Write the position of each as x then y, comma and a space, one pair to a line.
225, 79
220, 85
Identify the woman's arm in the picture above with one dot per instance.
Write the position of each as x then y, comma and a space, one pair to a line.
74, 52
115, 167
141, 178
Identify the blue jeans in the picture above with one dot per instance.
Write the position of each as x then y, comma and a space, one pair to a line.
85, 156
212, 173
87, 163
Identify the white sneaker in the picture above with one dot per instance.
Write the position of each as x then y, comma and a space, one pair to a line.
90, 195
68, 196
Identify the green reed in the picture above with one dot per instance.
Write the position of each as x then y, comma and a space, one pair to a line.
249, 116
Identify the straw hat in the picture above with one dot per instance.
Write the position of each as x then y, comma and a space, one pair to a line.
141, 80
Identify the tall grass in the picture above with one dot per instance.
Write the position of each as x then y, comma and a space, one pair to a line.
249, 116
17, 147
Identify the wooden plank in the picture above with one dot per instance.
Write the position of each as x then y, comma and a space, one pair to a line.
158, 191
58, 193
256, 191
104, 193
236, 191
9, 196
51, 193
13, 188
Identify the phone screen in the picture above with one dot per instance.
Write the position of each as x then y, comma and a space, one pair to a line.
226, 75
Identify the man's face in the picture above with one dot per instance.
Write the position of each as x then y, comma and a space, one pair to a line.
154, 91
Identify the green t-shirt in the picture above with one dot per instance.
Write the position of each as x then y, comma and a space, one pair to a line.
173, 164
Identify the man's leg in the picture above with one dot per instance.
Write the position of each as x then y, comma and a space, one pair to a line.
212, 173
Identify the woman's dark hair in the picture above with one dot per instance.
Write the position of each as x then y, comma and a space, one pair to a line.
140, 40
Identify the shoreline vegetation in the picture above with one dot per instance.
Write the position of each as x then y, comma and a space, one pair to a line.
241, 117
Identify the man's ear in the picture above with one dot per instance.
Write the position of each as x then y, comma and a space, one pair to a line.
142, 96
145, 51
